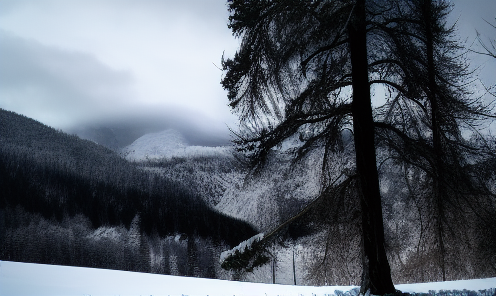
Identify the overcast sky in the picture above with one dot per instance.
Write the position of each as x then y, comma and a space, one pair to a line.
71, 62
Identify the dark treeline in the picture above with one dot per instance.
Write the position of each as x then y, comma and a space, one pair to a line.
164, 206
49, 177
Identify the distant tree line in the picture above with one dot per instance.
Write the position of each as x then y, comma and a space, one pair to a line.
56, 190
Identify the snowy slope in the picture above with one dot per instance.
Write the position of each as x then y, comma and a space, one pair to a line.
208, 171
265, 199
222, 184
167, 144
37, 279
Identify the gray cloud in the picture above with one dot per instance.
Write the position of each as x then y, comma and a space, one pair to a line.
68, 90
68, 63
147, 63
56, 86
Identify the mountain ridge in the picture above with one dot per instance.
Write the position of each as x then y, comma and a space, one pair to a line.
167, 144
59, 192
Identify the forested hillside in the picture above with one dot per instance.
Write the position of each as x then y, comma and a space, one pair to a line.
69, 201
323, 244
59, 192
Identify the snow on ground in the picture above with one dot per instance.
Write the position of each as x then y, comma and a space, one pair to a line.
38, 279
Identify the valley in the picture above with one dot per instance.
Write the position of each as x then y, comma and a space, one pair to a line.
161, 205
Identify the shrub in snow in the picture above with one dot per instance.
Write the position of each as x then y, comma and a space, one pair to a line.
352, 292
248, 255
487, 292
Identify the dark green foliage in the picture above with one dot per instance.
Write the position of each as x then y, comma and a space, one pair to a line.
290, 77
164, 206
422, 127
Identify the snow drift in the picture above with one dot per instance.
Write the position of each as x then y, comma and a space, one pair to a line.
37, 279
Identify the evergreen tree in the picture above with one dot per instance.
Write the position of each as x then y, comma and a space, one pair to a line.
290, 76
423, 124
305, 68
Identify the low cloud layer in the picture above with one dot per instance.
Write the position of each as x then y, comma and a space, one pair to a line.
56, 86
89, 62
74, 63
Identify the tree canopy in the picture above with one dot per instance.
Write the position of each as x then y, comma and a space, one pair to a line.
305, 68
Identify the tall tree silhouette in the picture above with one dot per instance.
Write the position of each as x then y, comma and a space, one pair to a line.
290, 76
305, 68
431, 108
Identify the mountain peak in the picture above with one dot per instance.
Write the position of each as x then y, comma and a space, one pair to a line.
155, 145
167, 144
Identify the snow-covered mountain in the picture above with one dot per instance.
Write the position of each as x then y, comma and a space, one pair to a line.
166, 145
64, 200
213, 172
263, 200
208, 171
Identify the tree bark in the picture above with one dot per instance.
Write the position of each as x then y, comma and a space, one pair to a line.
376, 274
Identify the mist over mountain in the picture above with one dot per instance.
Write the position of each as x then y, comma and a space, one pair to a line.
168, 144
119, 133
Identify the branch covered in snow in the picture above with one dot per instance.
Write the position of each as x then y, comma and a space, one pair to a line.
247, 255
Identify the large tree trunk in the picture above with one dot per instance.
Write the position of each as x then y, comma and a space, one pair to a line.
376, 274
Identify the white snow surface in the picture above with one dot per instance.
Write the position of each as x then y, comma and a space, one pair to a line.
167, 144
39, 279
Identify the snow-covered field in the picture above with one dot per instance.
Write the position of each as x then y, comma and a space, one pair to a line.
38, 279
